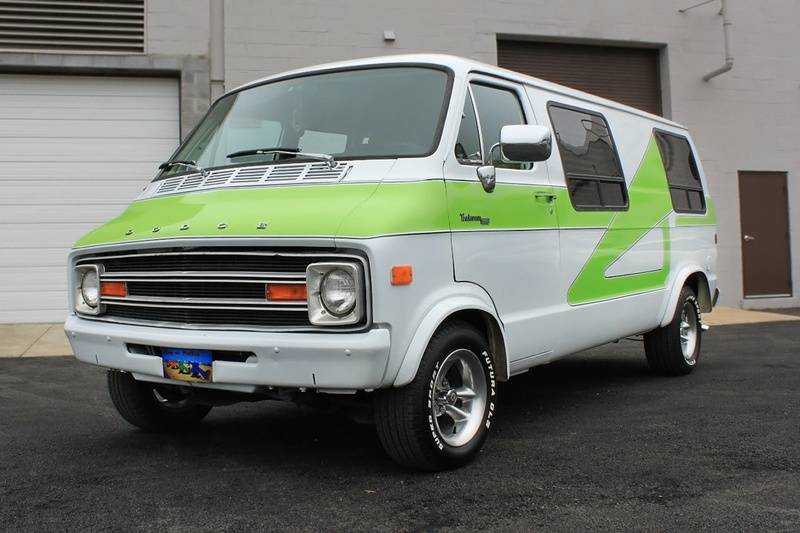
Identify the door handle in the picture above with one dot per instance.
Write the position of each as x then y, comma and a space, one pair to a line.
545, 197
748, 238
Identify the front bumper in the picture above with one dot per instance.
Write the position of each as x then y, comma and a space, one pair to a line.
330, 361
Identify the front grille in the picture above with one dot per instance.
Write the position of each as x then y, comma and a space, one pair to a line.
214, 288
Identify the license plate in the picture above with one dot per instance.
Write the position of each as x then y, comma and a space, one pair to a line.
187, 365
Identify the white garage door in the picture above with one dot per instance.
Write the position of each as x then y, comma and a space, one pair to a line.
74, 151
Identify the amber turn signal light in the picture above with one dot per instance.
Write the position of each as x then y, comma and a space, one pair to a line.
286, 292
117, 289
402, 275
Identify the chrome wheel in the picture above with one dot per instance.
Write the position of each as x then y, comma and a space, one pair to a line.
458, 397
688, 332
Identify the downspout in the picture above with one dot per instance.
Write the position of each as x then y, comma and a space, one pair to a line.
726, 33
216, 45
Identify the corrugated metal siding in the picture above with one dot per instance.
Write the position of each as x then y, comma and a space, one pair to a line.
72, 26
74, 151
626, 75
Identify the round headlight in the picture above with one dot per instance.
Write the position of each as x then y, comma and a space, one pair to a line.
338, 292
90, 288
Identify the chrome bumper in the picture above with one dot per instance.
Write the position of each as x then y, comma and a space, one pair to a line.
334, 361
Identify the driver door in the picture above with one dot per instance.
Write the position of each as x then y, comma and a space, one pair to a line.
505, 240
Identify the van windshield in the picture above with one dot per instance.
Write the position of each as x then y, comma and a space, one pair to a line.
367, 113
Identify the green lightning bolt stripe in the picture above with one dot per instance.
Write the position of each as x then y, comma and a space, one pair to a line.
649, 206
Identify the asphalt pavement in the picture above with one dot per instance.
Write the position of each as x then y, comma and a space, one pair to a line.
593, 442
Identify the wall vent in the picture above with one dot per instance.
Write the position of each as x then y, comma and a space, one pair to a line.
88, 26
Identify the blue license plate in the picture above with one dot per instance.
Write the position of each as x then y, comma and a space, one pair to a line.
187, 365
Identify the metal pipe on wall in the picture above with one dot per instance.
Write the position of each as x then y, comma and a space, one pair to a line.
726, 30
216, 48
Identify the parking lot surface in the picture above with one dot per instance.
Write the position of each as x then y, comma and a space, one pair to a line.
592, 442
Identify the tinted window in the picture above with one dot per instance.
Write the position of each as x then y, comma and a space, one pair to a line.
589, 157
497, 108
685, 186
468, 144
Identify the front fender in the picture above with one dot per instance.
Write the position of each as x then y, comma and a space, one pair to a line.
469, 297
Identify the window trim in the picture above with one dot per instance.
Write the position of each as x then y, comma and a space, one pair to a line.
694, 167
592, 177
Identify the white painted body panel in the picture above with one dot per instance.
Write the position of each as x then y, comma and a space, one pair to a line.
518, 278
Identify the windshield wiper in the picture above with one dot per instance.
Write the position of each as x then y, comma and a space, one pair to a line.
328, 159
183, 163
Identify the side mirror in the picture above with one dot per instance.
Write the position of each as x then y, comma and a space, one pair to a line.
525, 143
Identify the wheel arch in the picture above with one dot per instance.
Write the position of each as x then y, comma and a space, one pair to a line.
473, 311
695, 278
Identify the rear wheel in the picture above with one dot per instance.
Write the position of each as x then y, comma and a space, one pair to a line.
675, 348
441, 419
153, 407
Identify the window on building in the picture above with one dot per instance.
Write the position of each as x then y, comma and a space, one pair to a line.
497, 107
590, 160
468, 145
685, 186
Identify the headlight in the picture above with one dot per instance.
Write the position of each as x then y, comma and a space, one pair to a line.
87, 289
335, 293
338, 292
90, 288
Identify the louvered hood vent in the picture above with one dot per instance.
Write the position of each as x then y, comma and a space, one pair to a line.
72, 25
251, 176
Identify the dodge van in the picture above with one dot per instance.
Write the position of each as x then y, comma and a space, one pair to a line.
394, 237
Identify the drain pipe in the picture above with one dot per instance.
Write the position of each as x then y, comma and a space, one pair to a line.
726, 33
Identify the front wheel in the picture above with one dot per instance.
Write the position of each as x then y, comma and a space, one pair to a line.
152, 407
674, 349
441, 419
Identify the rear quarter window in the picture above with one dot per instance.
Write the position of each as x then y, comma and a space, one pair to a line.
683, 177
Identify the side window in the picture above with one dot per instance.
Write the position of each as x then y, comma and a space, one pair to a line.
468, 144
590, 160
497, 107
685, 186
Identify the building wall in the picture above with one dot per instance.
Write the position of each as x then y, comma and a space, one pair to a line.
743, 120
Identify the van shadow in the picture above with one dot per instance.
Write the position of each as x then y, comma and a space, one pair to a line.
265, 435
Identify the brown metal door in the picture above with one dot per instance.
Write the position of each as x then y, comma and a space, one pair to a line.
766, 261
627, 75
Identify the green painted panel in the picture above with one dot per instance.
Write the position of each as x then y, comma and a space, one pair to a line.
352, 210
649, 206
509, 206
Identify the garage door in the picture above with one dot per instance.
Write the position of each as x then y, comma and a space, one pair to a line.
74, 151
627, 75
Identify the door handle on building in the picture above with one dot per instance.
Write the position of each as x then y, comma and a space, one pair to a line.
748, 238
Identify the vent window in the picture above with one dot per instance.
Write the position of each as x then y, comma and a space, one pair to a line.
72, 26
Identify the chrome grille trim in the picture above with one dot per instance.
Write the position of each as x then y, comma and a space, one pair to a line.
247, 177
200, 299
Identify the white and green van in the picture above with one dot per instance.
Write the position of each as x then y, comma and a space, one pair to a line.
395, 236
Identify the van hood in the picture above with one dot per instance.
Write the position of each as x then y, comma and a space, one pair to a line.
343, 209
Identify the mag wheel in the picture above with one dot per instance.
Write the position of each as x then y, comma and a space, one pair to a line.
675, 348
152, 407
441, 419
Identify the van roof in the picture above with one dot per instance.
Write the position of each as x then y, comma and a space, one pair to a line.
463, 66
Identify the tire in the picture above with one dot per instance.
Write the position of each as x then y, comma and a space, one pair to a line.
153, 407
417, 423
673, 350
